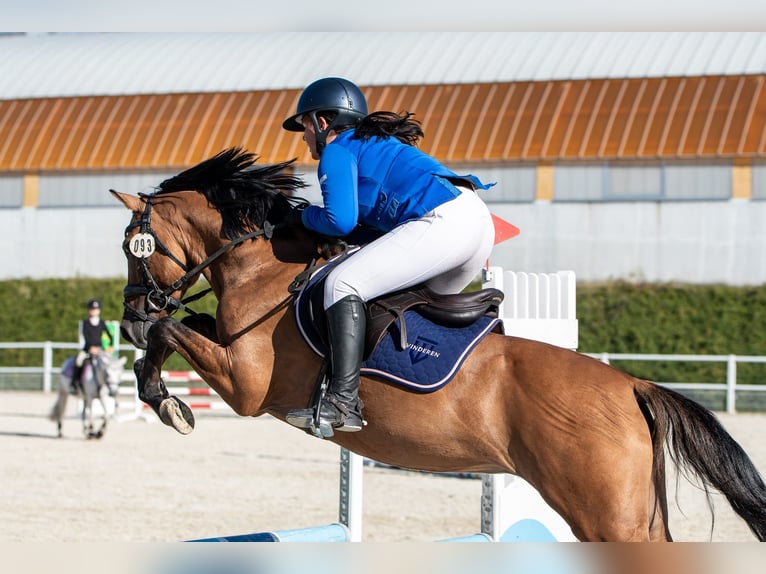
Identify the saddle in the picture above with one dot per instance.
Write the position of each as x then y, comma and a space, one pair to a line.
451, 310
454, 311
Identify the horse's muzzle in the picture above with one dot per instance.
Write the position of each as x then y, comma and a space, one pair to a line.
135, 332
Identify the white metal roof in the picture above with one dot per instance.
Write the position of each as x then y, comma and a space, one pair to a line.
60, 65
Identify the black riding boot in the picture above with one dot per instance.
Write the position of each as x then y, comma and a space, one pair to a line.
341, 408
77, 378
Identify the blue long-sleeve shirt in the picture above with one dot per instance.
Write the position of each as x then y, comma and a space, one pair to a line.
379, 182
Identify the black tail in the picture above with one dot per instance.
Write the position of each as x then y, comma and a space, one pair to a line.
700, 446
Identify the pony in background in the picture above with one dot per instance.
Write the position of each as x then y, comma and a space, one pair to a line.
100, 378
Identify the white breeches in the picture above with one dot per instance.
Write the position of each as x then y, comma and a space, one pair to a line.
445, 249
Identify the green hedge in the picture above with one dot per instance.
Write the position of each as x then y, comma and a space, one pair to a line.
675, 319
616, 317
49, 310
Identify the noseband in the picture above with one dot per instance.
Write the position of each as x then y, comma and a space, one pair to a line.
156, 298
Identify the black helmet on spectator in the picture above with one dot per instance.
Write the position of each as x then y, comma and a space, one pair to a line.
94, 304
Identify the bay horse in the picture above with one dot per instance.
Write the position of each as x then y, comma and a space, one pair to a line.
101, 376
587, 436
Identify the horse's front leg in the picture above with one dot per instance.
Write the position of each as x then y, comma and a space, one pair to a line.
104, 407
87, 419
162, 341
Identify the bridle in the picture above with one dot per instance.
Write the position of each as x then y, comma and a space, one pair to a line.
156, 298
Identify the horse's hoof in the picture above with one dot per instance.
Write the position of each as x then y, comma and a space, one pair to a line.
175, 413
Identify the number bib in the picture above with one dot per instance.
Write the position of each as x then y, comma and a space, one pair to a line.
142, 245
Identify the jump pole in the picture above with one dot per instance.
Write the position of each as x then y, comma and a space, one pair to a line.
350, 493
329, 533
350, 500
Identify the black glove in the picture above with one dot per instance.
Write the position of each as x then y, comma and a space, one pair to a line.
332, 246
295, 216
362, 235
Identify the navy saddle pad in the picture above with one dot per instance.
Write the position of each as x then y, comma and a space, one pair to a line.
433, 353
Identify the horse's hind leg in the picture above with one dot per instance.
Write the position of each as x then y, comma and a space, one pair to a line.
658, 529
56, 415
602, 483
59, 407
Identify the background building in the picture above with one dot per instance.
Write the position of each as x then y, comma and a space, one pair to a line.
637, 156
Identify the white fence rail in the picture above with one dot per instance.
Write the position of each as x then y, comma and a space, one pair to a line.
47, 369
730, 386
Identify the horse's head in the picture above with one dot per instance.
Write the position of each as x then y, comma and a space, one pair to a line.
156, 260
175, 234
111, 369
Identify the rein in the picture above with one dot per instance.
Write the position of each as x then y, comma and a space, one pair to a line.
158, 299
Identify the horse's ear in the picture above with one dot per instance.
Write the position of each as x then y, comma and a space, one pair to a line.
123, 360
132, 202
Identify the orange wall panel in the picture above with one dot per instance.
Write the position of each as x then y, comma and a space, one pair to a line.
592, 119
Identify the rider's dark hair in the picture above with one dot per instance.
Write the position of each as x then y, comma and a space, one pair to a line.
387, 124
382, 124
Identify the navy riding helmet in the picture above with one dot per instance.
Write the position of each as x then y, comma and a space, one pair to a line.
328, 94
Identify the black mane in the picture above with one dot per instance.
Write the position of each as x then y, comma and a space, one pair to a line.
245, 195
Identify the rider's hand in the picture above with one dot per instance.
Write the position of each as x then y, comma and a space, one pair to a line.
332, 246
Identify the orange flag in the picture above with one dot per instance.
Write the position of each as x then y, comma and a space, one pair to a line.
503, 229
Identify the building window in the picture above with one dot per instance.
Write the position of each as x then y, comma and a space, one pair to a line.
512, 184
11, 191
633, 182
759, 181
701, 182
93, 190
578, 183
642, 182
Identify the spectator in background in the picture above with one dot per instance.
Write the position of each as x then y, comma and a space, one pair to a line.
91, 330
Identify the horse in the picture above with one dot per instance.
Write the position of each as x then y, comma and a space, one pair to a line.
590, 438
100, 378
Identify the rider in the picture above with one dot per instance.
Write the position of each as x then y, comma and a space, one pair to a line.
432, 226
90, 333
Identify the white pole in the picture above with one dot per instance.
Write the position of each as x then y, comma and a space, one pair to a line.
137, 404
350, 499
492, 486
731, 384
47, 366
